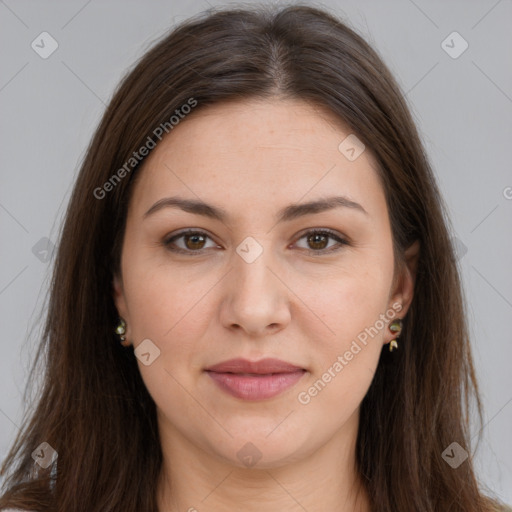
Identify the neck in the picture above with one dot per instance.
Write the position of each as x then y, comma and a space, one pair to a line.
193, 479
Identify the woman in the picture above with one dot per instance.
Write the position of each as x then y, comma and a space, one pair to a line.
255, 303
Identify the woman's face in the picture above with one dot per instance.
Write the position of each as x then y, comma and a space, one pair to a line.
263, 281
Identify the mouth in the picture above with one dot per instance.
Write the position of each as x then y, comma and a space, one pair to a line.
255, 380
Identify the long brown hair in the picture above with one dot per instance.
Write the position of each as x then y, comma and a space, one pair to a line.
94, 409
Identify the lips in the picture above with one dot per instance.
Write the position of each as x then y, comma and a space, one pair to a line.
255, 380
264, 366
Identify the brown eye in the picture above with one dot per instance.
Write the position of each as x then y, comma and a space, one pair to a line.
317, 241
189, 242
195, 241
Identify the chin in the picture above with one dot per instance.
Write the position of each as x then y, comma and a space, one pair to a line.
262, 449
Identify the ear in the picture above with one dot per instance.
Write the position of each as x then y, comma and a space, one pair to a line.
118, 295
120, 302
403, 291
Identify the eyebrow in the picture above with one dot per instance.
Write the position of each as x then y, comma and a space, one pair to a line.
288, 213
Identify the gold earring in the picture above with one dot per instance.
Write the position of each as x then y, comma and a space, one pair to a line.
121, 331
396, 328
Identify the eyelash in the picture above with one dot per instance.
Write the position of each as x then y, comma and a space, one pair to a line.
330, 233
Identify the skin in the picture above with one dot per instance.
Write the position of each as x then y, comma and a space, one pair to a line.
253, 158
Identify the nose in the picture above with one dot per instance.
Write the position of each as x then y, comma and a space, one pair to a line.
256, 298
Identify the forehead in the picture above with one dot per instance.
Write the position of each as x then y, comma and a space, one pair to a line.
258, 151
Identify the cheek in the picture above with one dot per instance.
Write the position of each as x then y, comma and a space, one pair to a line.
172, 310
166, 304
347, 332
175, 309
345, 359
344, 305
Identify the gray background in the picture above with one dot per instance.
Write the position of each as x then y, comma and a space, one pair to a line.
463, 108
